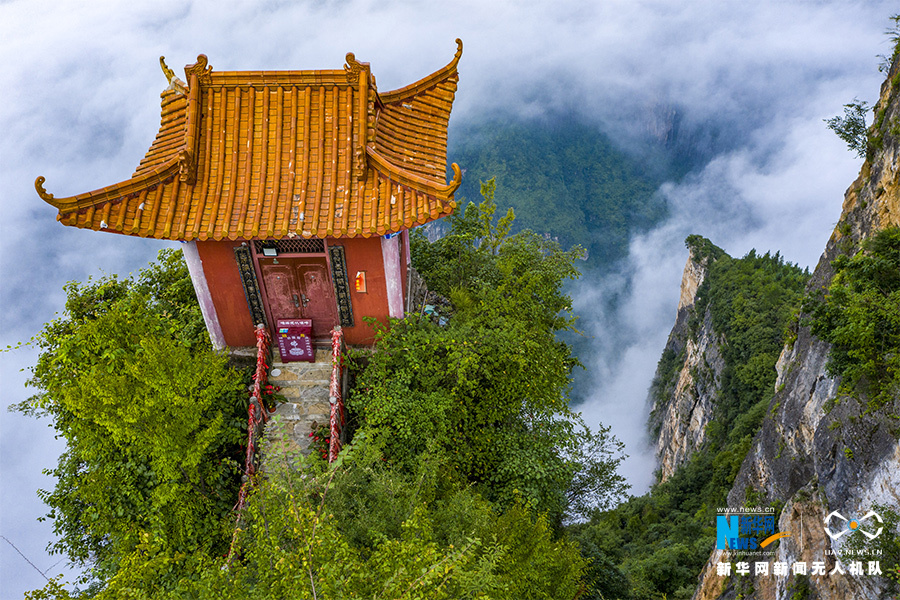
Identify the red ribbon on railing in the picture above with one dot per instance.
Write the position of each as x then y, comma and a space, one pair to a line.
334, 393
256, 411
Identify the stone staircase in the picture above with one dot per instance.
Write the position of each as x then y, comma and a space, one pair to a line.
305, 387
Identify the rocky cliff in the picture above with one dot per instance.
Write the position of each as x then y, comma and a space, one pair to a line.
689, 376
810, 458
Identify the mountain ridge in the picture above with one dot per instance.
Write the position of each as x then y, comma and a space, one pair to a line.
811, 453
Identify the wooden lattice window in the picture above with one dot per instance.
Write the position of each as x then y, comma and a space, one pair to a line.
292, 246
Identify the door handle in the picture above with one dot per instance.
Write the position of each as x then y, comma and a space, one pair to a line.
297, 301
305, 300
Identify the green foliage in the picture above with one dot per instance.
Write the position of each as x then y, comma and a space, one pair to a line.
657, 543
566, 180
800, 589
151, 415
852, 126
751, 301
488, 390
370, 501
885, 548
305, 534
860, 316
663, 384
893, 33
703, 250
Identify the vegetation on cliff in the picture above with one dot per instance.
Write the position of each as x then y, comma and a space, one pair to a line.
859, 314
152, 418
751, 301
656, 544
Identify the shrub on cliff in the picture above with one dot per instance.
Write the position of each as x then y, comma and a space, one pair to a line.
860, 315
487, 390
150, 414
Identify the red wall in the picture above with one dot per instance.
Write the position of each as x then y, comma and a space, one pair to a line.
364, 254
224, 281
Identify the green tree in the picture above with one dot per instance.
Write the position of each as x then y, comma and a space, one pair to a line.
860, 315
488, 388
296, 541
852, 126
152, 418
463, 463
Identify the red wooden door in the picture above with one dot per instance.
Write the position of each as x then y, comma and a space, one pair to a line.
282, 291
299, 288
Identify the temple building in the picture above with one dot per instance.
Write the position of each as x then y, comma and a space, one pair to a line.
293, 192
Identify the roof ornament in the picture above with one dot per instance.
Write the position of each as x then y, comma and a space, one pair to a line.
457, 178
174, 82
458, 54
200, 68
39, 186
379, 164
353, 67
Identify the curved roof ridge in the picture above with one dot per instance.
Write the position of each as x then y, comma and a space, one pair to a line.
429, 81
441, 190
111, 192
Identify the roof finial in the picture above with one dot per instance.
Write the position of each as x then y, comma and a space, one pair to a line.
39, 186
48, 198
457, 178
169, 73
200, 68
174, 82
458, 54
353, 67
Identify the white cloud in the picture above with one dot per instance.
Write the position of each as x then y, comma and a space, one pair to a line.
781, 190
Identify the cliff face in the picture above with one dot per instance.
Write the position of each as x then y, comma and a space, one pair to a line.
686, 387
817, 461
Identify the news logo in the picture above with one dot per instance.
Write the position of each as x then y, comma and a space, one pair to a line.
746, 531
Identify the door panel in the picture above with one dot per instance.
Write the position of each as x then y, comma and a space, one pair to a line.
281, 288
300, 288
318, 297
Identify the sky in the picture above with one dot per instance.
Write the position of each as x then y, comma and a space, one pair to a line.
81, 84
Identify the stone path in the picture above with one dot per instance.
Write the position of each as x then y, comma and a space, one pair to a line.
305, 388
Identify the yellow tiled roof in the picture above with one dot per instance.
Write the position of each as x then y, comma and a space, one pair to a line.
270, 154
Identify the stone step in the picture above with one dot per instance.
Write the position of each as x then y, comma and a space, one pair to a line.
305, 388
292, 422
299, 374
313, 392
311, 411
303, 379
